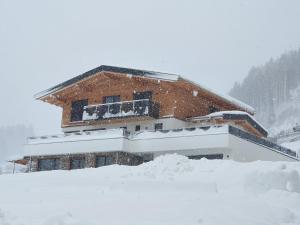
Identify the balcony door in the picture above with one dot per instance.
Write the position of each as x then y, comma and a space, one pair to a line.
77, 109
141, 107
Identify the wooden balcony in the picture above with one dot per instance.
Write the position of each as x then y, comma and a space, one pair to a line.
134, 108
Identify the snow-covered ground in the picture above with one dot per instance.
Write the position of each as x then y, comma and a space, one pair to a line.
170, 190
9, 168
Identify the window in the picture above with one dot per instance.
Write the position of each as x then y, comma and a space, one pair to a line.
213, 109
158, 126
142, 107
77, 109
77, 163
111, 99
212, 156
137, 127
109, 160
142, 95
48, 164
100, 161
104, 161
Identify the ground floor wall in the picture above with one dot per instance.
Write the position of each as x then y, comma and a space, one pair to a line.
64, 162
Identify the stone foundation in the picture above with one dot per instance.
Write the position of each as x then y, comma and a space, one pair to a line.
121, 158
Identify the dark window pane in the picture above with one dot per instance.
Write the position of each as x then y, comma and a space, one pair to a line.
113, 108
77, 109
111, 99
213, 156
77, 163
127, 106
104, 161
141, 107
100, 161
142, 95
109, 160
137, 128
48, 164
213, 109
158, 126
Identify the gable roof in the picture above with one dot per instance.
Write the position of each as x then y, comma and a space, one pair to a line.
139, 73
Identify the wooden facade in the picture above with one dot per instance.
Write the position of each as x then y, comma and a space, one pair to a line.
180, 99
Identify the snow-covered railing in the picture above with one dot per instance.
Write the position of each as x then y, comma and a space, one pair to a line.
74, 136
143, 107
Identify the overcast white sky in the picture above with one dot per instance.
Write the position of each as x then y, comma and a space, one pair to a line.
215, 43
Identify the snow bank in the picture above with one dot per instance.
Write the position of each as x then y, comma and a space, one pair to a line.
169, 190
9, 168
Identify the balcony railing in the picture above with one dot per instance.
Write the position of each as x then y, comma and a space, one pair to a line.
143, 107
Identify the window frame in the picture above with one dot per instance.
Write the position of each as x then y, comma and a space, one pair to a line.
106, 159
158, 124
56, 164
82, 159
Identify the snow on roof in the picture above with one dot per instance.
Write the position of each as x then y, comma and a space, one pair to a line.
225, 97
235, 112
144, 73
128, 71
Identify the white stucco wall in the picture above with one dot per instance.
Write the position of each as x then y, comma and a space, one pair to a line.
246, 151
148, 124
215, 140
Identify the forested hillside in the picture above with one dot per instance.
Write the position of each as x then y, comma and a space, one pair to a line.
273, 90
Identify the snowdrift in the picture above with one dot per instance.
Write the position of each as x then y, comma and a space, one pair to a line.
170, 190
9, 168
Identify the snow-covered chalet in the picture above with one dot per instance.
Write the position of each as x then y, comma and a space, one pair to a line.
114, 115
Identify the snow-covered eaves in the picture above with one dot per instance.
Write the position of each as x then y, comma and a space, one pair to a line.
235, 115
140, 73
105, 68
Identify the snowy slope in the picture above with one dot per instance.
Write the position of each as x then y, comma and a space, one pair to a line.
273, 89
293, 144
287, 114
170, 190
